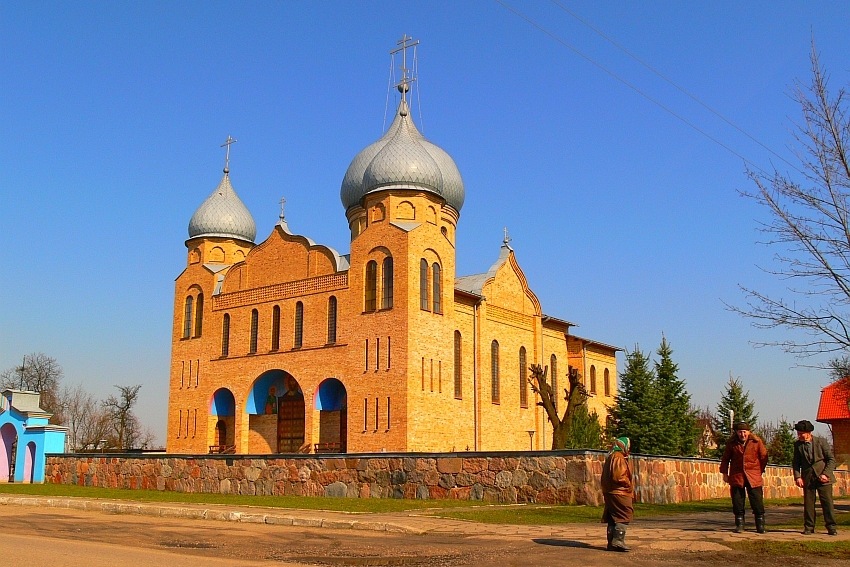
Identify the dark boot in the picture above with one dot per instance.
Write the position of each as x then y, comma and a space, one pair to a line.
739, 524
618, 542
610, 535
760, 524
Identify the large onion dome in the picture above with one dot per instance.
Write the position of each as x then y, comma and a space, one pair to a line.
402, 159
223, 215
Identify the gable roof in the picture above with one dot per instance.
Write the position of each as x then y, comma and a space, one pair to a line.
834, 403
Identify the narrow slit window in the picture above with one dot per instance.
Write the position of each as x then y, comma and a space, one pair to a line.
370, 291
187, 317
458, 369
523, 382
494, 372
423, 284
299, 324
387, 284
436, 275
255, 321
276, 328
225, 335
199, 315
331, 320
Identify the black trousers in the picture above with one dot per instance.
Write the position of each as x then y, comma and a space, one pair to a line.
741, 493
814, 489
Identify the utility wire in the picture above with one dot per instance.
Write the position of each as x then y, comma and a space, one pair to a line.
616, 77
670, 81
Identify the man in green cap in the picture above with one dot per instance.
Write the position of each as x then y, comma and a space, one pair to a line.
618, 492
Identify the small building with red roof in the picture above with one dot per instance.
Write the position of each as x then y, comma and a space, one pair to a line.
834, 410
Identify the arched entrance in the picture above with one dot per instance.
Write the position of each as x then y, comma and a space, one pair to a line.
276, 409
222, 417
332, 404
8, 442
29, 462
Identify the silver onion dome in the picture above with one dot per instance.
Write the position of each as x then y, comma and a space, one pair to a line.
224, 215
402, 158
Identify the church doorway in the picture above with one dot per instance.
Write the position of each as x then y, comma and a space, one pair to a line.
222, 415
290, 418
221, 433
29, 462
332, 403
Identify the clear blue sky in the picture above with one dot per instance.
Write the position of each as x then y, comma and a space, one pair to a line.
625, 220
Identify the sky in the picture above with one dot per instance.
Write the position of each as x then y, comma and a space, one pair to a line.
621, 194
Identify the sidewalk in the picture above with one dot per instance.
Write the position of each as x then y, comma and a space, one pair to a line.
695, 532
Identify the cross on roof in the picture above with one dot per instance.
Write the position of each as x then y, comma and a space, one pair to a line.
406, 79
230, 140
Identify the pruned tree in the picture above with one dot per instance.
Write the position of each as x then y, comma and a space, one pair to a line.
574, 394
38, 373
125, 427
809, 227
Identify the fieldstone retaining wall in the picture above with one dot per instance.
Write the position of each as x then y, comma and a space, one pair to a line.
554, 477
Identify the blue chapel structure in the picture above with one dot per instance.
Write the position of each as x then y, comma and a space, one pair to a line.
26, 436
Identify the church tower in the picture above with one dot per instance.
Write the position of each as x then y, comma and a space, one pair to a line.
403, 196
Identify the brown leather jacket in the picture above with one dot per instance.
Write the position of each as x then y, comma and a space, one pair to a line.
744, 461
617, 475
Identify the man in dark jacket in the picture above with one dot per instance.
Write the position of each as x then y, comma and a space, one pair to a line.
742, 465
813, 463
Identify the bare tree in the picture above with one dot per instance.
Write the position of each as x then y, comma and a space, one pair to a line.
125, 426
86, 419
810, 227
38, 373
574, 394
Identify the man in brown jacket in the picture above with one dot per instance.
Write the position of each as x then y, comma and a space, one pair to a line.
742, 466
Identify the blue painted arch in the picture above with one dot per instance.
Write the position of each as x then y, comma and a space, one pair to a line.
331, 395
270, 385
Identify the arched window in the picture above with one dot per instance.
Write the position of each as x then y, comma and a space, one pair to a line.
436, 273
331, 320
369, 294
387, 284
199, 314
494, 372
299, 324
607, 383
458, 366
255, 321
523, 382
225, 335
553, 366
276, 327
187, 317
592, 379
423, 284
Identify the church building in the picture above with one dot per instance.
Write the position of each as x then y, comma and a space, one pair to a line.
287, 345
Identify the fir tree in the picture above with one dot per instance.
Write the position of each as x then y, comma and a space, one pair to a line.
678, 428
585, 431
636, 410
736, 400
780, 450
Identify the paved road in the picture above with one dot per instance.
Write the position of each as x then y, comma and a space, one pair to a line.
89, 533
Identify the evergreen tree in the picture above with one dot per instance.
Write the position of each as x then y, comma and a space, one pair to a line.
736, 400
636, 410
678, 428
780, 450
585, 431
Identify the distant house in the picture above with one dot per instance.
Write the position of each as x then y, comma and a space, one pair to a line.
706, 444
834, 410
25, 437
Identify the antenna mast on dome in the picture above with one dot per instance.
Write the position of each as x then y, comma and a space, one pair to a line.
230, 140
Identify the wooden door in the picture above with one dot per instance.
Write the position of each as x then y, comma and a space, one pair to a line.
290, 422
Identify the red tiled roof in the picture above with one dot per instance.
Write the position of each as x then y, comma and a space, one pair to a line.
834, 403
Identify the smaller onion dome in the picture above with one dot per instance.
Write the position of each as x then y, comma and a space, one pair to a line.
223, 215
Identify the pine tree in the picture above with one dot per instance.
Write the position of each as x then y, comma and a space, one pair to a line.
736, 400
636, 411
678, 424
780, 450
585, 431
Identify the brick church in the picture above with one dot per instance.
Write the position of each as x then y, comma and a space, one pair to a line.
287, 345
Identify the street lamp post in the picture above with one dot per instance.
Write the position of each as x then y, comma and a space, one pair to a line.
531, 439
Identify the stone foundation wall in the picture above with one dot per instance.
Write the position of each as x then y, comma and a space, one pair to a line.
552, 477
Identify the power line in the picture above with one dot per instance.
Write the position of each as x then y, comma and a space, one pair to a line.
670, 81
636, 89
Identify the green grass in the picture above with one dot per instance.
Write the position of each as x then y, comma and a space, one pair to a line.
830, 549
476, 511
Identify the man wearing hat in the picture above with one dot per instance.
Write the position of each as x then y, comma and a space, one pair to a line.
742, 465
813, 464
